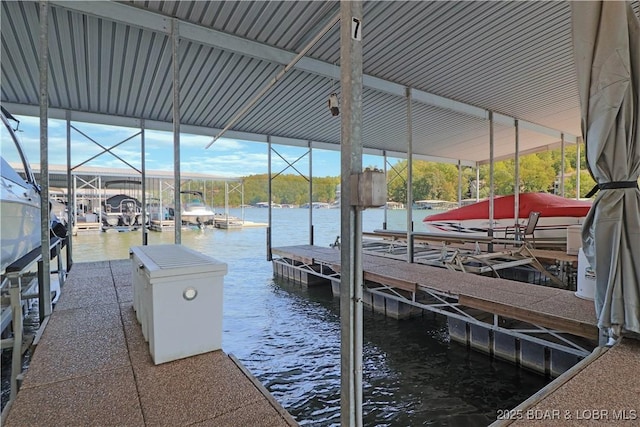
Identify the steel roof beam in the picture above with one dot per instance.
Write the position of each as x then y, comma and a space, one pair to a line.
97, 118
156, 22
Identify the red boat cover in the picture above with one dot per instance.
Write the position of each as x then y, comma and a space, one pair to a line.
547, 204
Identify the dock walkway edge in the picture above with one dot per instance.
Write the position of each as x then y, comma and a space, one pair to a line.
93, 351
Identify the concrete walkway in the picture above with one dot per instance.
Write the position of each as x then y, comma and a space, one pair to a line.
92, 367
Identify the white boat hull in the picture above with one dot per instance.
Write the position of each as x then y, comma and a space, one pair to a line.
548, 228
20, 221
198, 217
195, 211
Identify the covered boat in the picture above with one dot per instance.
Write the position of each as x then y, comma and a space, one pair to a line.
121, 210
556, 214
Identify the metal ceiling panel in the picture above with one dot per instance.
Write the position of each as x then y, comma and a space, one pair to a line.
461, 59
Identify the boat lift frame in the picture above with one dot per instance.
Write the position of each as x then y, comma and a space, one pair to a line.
394, 245
272, 177
445, 304
19, 278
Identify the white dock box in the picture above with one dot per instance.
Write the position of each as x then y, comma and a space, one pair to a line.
177, 295
586, 288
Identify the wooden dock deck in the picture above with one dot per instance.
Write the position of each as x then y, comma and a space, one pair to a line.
92, 366
549, 307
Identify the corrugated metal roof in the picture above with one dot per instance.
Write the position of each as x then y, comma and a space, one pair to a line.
461, 59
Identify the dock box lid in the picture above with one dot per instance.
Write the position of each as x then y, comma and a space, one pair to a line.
173, 260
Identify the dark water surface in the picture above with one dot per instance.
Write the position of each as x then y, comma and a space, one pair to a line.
289, 337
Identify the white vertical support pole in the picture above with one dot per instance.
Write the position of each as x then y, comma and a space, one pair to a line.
269, 189
310, 195
44, 270
516, 185
386, 184
477, 182
75, 201
491, 183
242, 198
176, 132
99, 198
409, 176
351, 281
226, 202
161, 208
459, 183
578, 147
145, 235
70, 196
562, 146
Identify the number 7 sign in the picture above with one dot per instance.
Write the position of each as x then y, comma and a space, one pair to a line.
356, 29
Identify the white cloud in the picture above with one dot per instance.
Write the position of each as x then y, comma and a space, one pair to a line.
232, 165
227, 157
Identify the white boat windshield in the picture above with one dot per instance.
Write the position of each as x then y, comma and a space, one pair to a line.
14, 167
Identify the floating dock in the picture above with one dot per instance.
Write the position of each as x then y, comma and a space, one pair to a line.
86, 226
165, 225
92, 366
169, 225
541, 328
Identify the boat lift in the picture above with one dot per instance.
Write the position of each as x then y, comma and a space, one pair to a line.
326, 265
19, 284
457, 252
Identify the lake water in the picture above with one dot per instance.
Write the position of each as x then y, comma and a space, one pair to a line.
289, 337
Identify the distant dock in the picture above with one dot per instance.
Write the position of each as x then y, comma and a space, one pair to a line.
92, 366
221, 223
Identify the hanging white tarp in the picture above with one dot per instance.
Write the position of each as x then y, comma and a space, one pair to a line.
606, 38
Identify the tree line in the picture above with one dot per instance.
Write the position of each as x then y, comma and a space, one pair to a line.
431, 180
539, 172
285, 189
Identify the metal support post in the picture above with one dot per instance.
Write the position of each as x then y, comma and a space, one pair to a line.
176, 132
459, 183
226, 202
516, 187
477, 182
578, 147
351, 280
269, 189
75, 200
562, 146
44, 287
310, 195
144, 186
161, 216
409, 177
99, 198
384, 157
491, 183
70, 197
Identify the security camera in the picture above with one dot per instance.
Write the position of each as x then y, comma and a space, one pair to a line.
334, 104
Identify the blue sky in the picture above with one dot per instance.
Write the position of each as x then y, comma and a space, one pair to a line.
226, 157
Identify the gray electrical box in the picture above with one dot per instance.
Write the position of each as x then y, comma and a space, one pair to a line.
368, 189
